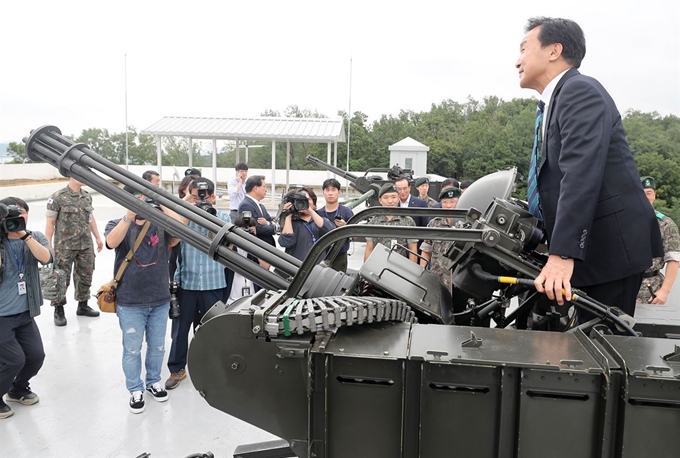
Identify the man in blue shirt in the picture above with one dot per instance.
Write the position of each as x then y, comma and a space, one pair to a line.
201, 283
21, 347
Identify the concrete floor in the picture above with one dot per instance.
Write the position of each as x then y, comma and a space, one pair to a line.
83, 408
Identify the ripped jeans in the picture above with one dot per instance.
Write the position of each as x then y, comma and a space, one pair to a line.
135, 322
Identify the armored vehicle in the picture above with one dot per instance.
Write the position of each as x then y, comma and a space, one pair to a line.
386, 363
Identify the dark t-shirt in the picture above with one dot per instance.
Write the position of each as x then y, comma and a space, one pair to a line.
345, 213
145, 282
299, 243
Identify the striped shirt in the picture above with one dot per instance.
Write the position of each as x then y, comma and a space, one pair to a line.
196, 271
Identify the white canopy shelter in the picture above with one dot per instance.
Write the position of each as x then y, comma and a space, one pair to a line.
265, 128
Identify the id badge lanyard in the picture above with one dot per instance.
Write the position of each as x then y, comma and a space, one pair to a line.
21, 285
309, 229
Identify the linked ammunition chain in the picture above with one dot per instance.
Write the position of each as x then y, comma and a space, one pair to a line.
297, 316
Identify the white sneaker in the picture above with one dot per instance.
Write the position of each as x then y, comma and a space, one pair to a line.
158, 392
137, 402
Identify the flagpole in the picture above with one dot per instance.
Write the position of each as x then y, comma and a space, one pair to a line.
349, 119
127, 157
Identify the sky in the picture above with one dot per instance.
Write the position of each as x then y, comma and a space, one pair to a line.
64, 63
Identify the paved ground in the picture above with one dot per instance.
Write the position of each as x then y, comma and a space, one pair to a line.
83, 410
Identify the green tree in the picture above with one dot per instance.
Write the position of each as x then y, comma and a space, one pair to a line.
18, 153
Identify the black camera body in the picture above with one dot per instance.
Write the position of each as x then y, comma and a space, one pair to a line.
203, 203
299, 201
153, 203
174, 303
11, 219
247, 218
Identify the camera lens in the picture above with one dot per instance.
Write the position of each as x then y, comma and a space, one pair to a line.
174, 303
12, 224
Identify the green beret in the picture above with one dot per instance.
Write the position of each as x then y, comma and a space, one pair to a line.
449, 193
387, 187
421, 181
648, 182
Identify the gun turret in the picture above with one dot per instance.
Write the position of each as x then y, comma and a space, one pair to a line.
78, 161
361, 184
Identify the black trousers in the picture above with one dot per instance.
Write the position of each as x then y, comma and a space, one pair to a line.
21, 351
620, 293
192, 307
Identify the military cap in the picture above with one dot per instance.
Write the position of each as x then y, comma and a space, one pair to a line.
388, 187
192, 172
449, 193
648, 182
421, 181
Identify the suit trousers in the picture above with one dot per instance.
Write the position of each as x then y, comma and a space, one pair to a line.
620, 293
192, 307
21, 351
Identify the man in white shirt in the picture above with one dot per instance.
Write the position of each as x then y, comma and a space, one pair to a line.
237, 189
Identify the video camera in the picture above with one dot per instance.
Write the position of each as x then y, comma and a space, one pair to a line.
203, 203
299, 201
11, 219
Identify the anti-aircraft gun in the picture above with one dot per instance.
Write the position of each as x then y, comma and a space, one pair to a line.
371, 181
374, 364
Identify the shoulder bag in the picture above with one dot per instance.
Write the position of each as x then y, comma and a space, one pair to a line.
106, 295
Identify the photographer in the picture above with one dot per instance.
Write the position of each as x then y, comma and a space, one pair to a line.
143, 298
302, 225
200, 279
21, 347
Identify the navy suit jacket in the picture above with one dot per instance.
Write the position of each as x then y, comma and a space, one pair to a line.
591, 198
264, 232
418, 202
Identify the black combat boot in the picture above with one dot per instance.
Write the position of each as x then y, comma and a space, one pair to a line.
84, 309
59, 318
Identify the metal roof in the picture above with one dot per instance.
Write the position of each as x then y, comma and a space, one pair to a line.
265, 128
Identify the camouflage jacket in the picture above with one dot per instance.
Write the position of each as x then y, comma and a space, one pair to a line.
73, 212
389, 241
430, 202
671, 242
671, 252
438, 248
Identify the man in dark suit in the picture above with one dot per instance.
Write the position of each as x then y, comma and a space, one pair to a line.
601, 231
407, 200
256, 190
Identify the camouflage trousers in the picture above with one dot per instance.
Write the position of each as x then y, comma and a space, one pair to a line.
443, 273
83, 263
644, 295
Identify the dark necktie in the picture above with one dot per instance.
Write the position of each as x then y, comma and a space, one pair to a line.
532, 183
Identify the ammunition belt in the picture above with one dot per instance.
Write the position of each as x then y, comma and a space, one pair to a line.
328, 313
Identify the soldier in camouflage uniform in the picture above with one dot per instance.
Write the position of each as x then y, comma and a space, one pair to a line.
388, 197
655, 286
434, 250
70, 221
422, 184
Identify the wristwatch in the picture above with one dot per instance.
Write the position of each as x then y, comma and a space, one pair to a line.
126, 219
26, 235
